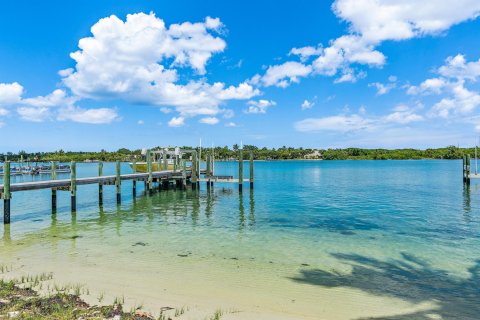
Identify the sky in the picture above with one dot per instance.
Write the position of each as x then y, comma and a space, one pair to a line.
90, 75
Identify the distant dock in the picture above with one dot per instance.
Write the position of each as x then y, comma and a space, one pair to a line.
182, 176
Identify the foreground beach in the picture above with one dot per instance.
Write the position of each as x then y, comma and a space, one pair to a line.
347, 247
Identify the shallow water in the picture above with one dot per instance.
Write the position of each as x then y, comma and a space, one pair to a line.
313, 240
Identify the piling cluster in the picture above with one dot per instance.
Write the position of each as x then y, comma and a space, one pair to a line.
181, 176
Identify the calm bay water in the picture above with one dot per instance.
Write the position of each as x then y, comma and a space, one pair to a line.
313, 240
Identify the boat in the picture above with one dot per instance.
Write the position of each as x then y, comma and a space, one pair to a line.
13, 171
48, 169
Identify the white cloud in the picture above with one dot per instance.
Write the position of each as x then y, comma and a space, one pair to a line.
458, 99
209, 120
3, 112
284, 74
372, 22
140, 122
137, 60
231, 124
429, 86
457, 67
259, 106
34, 114
463, 101
380, 20
340, 123
403, 114
383, 88
305, 52
176, 122
91, 116
10, 93
307, 104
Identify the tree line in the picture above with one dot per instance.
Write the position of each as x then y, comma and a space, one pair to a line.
227, 153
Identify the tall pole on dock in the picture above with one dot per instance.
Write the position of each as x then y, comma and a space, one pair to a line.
54, 190
6, 192
73, 185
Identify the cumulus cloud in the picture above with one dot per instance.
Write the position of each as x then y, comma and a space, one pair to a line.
91, 116
403, 114
284, 74
307, 104
259, 106
372, 22
344, 123
10, 93
176, 122
453, 78
209, 120
138, 60
339, 123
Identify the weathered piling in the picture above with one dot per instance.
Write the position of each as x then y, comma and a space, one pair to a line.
100, 184
118, 182
467, 168
251, 170
184, 174
73, 185
134, 182
194, 170
208, 171
240, 171
149, 168
6, 192
54, 190
165, 162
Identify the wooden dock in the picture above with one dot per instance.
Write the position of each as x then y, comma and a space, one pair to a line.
181, 176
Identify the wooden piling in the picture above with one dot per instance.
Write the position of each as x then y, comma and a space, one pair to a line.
54, 190
73, 185
149, 168
100, 185
165, 161
6, 192
208, 170
240, 171
184, 174
194, 170
134, 182
118, 182
251, 170
468, 168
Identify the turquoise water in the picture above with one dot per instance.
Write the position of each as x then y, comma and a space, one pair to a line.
405, 231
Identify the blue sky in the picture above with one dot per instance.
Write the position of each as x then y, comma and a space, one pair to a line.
92, 75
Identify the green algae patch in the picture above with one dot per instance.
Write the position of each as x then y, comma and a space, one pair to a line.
25, 303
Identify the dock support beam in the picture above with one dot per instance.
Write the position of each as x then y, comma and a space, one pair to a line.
208, 172
54, 190
240, 171
118, 182
134, 183
73, 185
165, 162
6, 192
251, 170
100, 185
